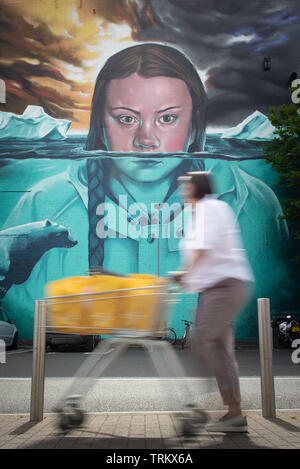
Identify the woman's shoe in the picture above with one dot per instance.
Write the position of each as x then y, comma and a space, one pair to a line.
228, 424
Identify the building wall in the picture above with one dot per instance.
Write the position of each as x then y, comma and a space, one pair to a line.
53, 223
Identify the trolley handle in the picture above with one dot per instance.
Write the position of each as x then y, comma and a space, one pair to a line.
101, 271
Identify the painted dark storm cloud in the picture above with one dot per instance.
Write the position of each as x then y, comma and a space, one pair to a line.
226, 39
230, 39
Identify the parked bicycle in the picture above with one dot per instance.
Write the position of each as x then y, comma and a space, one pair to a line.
186, 341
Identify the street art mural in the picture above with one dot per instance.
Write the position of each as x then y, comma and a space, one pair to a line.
107, 104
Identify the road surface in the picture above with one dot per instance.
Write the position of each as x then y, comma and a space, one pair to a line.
131, 383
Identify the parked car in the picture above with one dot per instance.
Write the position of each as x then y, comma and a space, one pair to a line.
87, 342
8, 329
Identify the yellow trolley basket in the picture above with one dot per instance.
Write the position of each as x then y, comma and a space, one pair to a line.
104, 304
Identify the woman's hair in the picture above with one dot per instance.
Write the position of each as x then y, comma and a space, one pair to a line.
147, 60
202, 182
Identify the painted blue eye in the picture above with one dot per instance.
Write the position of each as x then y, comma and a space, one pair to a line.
127, 120
167, 119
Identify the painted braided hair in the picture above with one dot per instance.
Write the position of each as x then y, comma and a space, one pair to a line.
148, 60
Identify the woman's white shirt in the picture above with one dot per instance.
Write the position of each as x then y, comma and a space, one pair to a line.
212, 227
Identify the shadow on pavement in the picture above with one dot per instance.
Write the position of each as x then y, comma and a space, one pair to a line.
286, 425
23, 428
51, 437
105, 441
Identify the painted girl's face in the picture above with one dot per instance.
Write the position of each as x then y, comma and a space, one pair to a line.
148, 115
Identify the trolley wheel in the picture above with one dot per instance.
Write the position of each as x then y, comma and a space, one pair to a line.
71, 419
77, 418
188, 429
195, 423
64, 422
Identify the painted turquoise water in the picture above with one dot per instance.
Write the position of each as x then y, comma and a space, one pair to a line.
35, 178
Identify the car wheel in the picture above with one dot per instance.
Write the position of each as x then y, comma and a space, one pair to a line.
90, 344
15, 341
97, 340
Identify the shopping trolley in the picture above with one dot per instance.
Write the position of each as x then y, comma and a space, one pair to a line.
129, 310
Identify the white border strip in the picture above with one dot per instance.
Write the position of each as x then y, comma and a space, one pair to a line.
257, 411
151, 378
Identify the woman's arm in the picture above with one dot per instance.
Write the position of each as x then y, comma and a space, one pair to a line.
199, 254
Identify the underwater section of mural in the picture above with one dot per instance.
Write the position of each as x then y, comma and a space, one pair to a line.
89, 166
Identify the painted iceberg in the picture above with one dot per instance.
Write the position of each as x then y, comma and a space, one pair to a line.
255, 127
33, 124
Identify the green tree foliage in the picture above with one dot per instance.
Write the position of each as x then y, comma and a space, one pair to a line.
283, 154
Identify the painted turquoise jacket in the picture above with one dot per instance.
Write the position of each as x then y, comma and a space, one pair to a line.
63, 199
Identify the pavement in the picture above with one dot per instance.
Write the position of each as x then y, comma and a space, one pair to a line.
147, 431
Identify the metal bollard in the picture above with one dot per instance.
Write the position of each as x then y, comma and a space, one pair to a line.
266, 358
38, 367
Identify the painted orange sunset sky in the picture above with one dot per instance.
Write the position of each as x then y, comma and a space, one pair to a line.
53, 51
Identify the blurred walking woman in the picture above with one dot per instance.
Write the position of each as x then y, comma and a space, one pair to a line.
215, 266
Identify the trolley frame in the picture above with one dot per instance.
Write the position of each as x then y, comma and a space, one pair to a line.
162, 353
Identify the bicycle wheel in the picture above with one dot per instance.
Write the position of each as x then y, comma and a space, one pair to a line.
172, 336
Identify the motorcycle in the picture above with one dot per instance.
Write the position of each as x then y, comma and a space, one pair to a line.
287, 329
